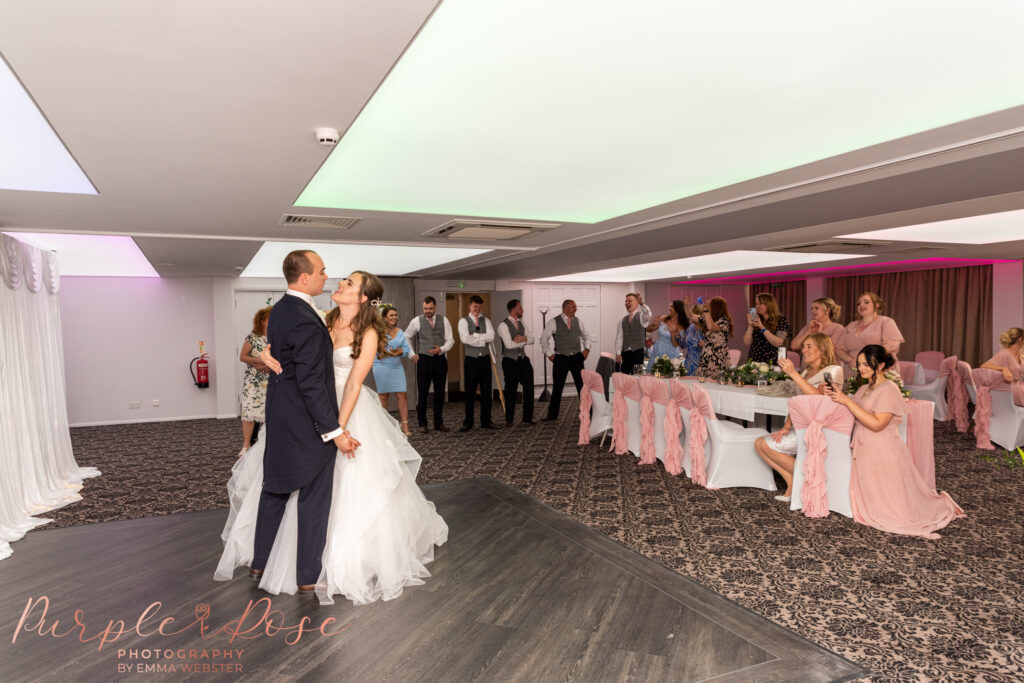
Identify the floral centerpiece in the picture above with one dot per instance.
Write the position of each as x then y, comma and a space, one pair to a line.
752, 372
668, 367
856, 382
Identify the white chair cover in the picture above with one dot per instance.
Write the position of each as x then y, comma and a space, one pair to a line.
838, 465
731, 461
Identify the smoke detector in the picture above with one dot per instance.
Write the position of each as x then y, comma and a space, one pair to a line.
328, 136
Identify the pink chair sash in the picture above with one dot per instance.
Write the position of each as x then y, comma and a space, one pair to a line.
815, 413
625, 387
591, 382
930, 360
702, 412
956, 393
984, 380
654, 391
907, 371
679, 397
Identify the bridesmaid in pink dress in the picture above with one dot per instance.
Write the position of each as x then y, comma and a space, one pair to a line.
1008, 360
871, 328
824, 312
886, 490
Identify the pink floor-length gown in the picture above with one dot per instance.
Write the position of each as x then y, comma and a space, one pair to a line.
886, 490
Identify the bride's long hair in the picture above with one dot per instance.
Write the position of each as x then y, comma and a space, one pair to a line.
367, 317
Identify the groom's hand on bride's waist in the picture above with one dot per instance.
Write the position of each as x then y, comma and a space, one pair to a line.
347, 444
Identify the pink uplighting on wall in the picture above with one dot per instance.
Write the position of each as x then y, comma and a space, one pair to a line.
840, 271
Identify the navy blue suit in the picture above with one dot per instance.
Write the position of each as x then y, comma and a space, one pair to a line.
302, 405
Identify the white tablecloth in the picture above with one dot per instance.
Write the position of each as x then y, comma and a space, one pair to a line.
744, 402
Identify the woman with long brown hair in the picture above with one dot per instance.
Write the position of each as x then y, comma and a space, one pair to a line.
767, 330
382, 530
714, 354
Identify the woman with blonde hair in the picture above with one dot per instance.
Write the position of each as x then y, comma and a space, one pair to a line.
766, 331
824, 314
820, 368
871, 327
254, 381
1010, 358
717, 324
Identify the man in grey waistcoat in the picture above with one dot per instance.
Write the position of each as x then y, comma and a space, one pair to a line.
631, 333
431, 337
476, 333
515, 364
566, 344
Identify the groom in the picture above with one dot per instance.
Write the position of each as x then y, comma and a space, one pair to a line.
302, 429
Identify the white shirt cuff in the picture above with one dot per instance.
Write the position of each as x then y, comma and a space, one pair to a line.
329, 436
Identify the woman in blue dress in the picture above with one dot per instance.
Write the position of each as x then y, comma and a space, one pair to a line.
669, 327
692, 339
388, 373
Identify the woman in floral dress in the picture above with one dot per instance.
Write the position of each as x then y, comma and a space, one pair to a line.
714, 356
254, 382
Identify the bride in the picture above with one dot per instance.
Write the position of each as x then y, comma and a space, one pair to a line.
382, 530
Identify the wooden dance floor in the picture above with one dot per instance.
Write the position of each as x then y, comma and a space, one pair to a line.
519, 593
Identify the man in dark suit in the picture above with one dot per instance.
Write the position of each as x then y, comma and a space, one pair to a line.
303, 435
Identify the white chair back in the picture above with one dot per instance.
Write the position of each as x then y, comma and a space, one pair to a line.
838, 465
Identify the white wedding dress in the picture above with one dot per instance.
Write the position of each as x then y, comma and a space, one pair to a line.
382, 530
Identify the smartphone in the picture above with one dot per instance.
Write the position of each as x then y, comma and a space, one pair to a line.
828, 380
700, 300
782, 353
753, 313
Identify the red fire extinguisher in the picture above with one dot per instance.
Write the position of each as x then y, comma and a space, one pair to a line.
201, 372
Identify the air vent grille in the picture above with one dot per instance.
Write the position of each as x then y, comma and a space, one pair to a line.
303, 221
832, 247
487, 230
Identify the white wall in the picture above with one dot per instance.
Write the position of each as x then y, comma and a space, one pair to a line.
130, 340
1007, 299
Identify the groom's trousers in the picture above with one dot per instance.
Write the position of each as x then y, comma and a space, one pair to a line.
314, 511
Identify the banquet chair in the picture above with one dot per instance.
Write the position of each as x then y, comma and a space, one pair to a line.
935, 391
911, 372
824, 461
795, 358
626, 399
963, 369
677, 420
652, 419
931, 361
595, 410
605, 368
731, 461
734, 357
996, 419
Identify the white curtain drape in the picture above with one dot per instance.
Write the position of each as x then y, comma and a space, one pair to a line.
38, 471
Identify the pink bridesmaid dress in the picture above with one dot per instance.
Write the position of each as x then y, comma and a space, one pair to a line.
886, 490
1007, 359
882, 329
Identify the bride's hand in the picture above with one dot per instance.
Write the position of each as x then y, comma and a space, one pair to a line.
347, 444
270, 361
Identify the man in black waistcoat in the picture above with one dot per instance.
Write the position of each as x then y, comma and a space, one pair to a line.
303, 435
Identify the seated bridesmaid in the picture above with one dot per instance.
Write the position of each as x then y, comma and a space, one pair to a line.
779, 449
1011, 357
871, 327
886, 489
824, 312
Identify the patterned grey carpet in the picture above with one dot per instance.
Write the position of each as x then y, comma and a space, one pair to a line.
906, 608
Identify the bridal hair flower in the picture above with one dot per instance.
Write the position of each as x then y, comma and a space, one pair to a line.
379, 304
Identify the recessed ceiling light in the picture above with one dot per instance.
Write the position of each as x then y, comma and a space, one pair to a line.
342, 259
615, 107
33, 157
1006, 226
726, 262
93, 255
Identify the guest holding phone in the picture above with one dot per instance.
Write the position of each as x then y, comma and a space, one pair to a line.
717, 324
824, 312
886, 490
766, 330
871, 327
820, 370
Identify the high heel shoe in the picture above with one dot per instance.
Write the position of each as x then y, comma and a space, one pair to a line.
405, 428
